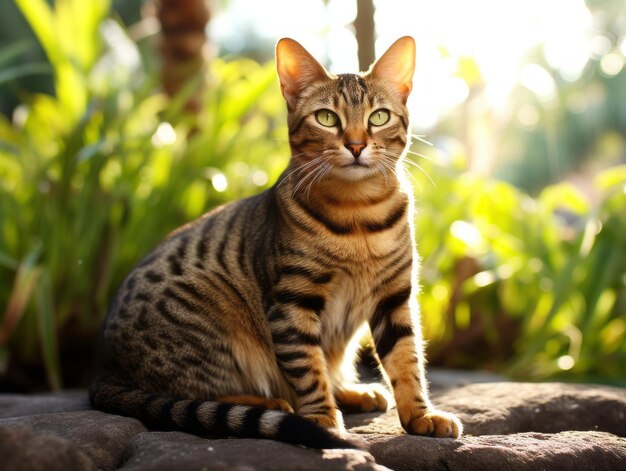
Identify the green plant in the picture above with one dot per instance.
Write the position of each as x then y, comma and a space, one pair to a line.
535, 287
93, 177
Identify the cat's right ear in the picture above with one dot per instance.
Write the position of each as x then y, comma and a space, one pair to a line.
297, 69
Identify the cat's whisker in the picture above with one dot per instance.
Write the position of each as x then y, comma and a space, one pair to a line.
409, 175
420, 137
300, 168
410, 162
380, 166
321, 172
409, 151
387, 164
393, 170
299, 184
391, 164
304, 153
407, 161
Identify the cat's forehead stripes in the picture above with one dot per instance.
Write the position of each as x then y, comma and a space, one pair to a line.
352, 88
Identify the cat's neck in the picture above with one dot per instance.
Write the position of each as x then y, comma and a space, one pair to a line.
332, 194
337, 192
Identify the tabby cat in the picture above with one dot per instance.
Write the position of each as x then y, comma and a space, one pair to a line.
242, 323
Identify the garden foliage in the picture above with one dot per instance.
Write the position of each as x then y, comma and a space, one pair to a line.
93, 176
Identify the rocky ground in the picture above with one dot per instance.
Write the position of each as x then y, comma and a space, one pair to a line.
510, 426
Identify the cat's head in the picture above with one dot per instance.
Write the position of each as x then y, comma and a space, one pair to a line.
351, 127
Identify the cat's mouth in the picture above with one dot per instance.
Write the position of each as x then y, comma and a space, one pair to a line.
355, 170
355, 164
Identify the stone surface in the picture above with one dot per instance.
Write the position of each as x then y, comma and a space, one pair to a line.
506, 408
164, 451
15, 405
24, 449
512, 426
102, 437
564, 451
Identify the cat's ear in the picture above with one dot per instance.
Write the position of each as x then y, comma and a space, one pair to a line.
396, 66
297, 69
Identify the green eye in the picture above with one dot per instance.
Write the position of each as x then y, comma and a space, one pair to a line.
379, 117
326, 118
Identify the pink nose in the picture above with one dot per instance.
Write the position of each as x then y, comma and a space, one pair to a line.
356, 148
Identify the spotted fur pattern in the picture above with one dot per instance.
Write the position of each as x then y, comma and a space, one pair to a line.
243, 323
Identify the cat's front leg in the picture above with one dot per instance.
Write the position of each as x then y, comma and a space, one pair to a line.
296, 334
397, 335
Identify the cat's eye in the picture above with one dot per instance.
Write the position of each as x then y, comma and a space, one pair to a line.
327, 118
379, 117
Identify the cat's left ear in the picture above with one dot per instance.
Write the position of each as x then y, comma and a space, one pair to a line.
396, 66
297, 69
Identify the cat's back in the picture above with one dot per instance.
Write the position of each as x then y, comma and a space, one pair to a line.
181, 299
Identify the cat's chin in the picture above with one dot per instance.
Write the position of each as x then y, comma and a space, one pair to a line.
354, 173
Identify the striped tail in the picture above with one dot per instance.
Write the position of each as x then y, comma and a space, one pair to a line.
212, 419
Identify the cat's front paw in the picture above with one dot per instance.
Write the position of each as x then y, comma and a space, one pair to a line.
435, 423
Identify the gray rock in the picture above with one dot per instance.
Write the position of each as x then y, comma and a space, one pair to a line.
506, 408
15, 405
446, 378
24, 449
512, 426
102, 437
564, 451
165, 451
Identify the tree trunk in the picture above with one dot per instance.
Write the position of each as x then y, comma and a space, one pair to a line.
365, 32
183, 45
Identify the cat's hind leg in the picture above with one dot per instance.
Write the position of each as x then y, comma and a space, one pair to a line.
355, 397
257, 401
350, 394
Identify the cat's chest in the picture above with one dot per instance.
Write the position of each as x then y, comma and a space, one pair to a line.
350, 303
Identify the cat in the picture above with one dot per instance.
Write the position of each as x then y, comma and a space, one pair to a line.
243, 322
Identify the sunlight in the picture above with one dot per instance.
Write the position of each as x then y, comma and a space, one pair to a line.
467, 233
496, 36
461, 44
220, 182
566, 362
164, 135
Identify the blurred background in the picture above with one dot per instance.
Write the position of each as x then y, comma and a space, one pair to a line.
120, 120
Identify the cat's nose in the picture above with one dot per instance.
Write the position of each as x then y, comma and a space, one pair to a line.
356, 148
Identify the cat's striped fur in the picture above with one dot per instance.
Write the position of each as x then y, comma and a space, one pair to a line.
246, 315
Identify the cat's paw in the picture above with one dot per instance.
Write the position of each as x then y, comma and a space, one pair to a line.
334, 422
278, 404
257, 401
435, 423
363, 397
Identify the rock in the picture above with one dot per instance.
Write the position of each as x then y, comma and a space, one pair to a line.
23, 449
564, 451
15, 405
174, 450
506, 408
102, 437
447, 378
507, 426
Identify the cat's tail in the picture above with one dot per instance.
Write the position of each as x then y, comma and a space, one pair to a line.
210, 418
